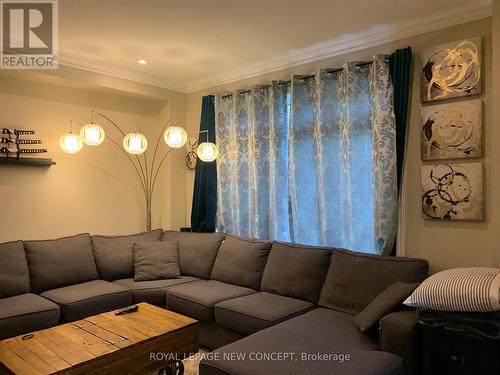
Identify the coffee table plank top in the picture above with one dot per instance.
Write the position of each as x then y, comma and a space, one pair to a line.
76, 344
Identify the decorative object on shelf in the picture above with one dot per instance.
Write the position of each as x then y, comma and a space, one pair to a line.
12, 146
191, 158
453, 191
70, 143
133, 145
451, 70
452, 131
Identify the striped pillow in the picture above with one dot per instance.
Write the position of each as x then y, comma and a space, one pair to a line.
459, 289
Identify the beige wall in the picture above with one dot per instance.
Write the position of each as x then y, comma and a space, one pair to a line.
95, 190
444, 244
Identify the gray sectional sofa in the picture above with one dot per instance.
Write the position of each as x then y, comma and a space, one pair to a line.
250, 296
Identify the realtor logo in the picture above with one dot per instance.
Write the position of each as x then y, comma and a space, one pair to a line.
29, 34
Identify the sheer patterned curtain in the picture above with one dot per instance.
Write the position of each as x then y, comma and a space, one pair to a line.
252, 167
313, 163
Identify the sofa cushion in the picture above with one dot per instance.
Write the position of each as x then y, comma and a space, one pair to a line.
26, 313
197, 251
254, 312
61, 262
14, 274
386, 302
317, 331
296, 271
197, 299
90, 298
156, 260
241, 261
114, 255
152, 291
355, 279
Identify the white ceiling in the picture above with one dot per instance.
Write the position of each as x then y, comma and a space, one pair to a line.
194, 44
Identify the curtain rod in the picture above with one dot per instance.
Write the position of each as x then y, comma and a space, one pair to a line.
330, 70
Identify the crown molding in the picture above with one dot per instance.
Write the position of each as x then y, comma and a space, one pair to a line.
116, 71
374, 36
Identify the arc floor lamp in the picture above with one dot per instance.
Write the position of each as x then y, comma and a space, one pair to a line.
133, 146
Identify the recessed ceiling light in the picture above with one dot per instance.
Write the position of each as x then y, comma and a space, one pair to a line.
142, 61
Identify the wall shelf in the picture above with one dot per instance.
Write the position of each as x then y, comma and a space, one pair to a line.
41, 162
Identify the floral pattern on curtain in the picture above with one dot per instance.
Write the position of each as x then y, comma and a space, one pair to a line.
252, 167
312, 161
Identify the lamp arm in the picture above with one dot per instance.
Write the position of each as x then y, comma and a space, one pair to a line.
148, 188
132, 162
158, 170
107, 118
123, 133
156, 150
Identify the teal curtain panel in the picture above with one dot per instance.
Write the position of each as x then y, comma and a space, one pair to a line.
400, 64
203, 213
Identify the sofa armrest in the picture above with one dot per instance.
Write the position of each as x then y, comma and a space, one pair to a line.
399, 335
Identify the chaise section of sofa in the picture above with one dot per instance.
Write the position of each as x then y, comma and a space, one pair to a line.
320, 331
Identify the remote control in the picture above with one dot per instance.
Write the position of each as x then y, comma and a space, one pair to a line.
127, 310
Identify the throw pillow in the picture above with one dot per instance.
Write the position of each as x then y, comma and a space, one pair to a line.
156, 260
459, 289
385, 303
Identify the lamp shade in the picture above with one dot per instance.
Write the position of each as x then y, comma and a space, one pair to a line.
175, 136
207, 151
70, 143
135, 143
92, 134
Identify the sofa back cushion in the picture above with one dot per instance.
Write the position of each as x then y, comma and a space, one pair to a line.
355, 279
241, 261
296, 271
114, 255
14, 273
197, 251
61, 262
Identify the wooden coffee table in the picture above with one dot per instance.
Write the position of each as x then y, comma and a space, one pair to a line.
151, 339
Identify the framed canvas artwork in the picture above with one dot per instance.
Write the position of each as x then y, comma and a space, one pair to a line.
451, 70
453, 191
452, 131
